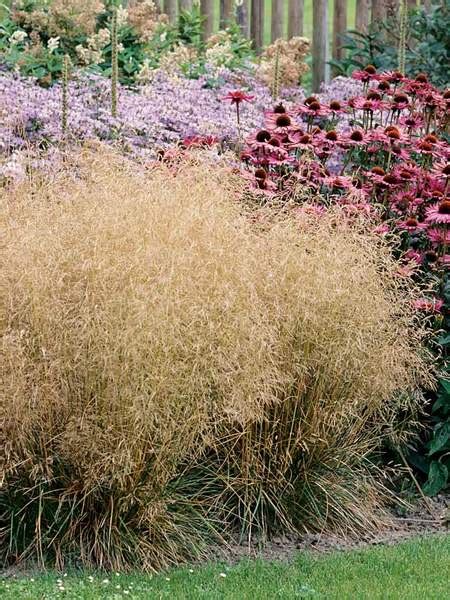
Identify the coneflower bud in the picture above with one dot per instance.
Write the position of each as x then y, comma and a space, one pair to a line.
260, 174
279, 108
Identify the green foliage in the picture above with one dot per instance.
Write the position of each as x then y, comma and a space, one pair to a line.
24, 43
427, 47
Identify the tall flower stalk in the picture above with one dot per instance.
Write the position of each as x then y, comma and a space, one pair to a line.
402, 40
65, 93
114, 63
276, 73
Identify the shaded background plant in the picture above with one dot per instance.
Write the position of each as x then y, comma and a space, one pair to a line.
427, 48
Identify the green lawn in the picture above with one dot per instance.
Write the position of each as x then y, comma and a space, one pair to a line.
413, 570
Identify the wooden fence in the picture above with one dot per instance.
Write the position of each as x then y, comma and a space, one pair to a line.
330, 20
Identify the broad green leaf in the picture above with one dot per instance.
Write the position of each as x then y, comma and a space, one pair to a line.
437, 479
440, 438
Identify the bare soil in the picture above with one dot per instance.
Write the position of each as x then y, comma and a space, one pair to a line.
417, 519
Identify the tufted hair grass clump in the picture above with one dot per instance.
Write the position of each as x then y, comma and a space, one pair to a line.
174, 368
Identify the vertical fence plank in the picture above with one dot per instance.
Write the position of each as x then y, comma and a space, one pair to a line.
277, 19
257, 24
226, 12
206, 7
170, 8
319, 42
339, 27
362, 15
378, 10
185, 4
242, 17
295, 18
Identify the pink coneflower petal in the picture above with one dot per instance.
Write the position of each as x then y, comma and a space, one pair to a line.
430, 305
439, 213
237, 97
439, 235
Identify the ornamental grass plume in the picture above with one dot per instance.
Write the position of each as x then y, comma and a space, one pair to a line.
174, 368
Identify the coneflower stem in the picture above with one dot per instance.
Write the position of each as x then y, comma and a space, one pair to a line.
238, 117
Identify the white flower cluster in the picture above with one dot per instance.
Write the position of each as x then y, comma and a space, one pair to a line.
92, 54
18, 37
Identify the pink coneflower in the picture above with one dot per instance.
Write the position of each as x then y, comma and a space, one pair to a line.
281, 123
237, 97
399, 102
407, 270
429, 305
337, 107
356, 137
414, 256
411, 225
258, 139
368, 104
339, 183
439, 235
313, 109
412, 122
366, 75
394, 77
381, 229
303, 141
391, 135
384, 86
199, 141
402, 201
439, 213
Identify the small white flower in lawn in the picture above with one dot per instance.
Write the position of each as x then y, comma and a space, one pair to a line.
167, 578
117, 574
126, 591
65, 574
222, 574
32, 579
90, 578
191, 570
117, 587
62, 589
59, 581
105, 581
